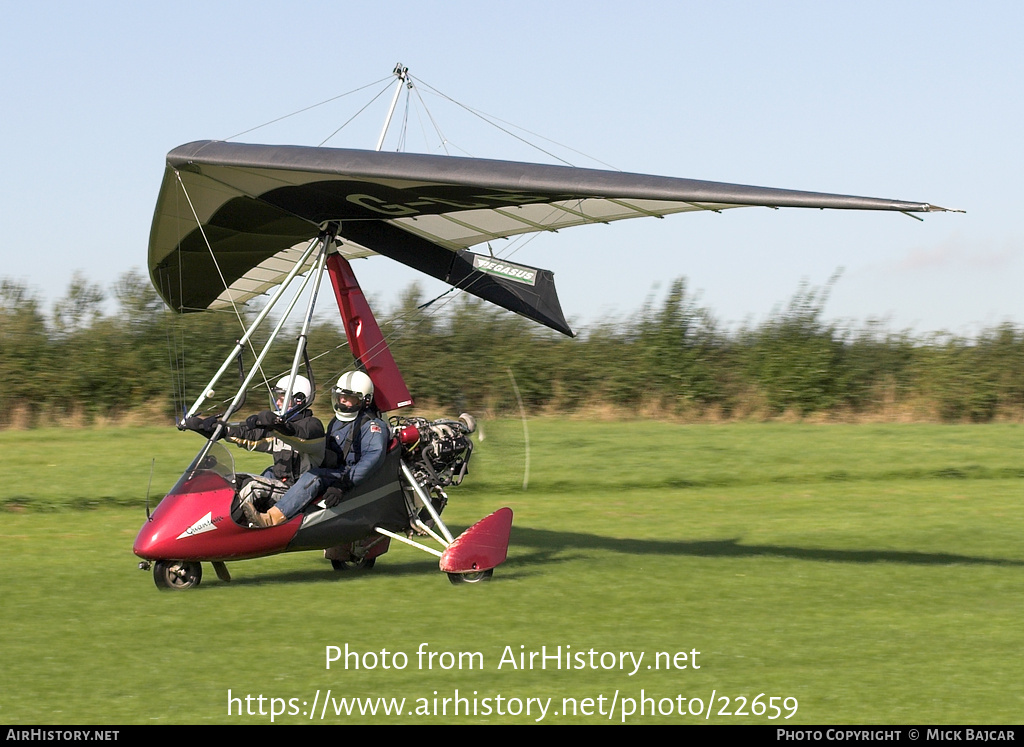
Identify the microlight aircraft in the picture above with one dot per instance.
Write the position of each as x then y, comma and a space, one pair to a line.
235, 220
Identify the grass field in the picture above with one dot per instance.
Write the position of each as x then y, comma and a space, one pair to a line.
870, 574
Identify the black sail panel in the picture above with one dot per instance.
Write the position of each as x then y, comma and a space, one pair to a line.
232, 218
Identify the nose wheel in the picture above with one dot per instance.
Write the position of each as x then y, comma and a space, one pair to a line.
471, 578
177, 574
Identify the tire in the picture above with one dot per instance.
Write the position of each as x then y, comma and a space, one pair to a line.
471, 578
363, 564
177, 574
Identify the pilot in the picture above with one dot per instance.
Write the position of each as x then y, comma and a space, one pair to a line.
293, 435
357, 442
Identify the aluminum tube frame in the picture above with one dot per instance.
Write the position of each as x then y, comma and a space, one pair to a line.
237, 401
240, 394
300, 346
406, 540
401, 73
240, 345
424, 529
425, 500
323, 240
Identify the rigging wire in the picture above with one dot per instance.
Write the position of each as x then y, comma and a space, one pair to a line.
403, 132
308, 108
209, 248
508, 132
177, 371
430, 116
430, 308
216, 264
347, 121
491, 119
521, 240
392, 330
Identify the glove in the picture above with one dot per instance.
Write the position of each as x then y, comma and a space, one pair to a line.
337, 492
205, 426
266, 419
333, 496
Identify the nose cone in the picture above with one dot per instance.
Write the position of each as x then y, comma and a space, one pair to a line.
185, 524
160, 537
198, 526
144, 540
150, 542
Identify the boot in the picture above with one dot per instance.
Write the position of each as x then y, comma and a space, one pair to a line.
271, 518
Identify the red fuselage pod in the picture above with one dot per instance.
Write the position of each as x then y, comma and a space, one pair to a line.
193, 522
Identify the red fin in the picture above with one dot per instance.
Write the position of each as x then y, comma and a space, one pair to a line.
365, 340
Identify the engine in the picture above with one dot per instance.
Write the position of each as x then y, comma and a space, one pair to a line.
437, 451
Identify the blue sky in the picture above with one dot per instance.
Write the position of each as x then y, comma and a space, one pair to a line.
918, 101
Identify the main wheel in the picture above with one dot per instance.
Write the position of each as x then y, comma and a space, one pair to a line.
363, 564
177, 574
471, 578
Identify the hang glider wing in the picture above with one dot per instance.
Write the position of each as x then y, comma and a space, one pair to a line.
254, 208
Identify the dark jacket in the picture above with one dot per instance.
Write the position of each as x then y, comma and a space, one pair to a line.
297, 445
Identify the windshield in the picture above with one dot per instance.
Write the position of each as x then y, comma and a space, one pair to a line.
212, 461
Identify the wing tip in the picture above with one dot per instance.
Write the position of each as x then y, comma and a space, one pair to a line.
928, 208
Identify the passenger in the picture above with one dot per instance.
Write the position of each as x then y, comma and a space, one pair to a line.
357, 442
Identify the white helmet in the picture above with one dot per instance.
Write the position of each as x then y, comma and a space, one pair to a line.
300, 393
352, 393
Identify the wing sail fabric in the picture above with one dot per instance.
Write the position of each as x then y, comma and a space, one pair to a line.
536, 300
258, 204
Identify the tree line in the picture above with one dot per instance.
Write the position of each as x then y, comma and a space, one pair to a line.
80, 362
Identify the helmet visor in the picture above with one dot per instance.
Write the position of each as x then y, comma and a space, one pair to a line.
346, 401
277, 400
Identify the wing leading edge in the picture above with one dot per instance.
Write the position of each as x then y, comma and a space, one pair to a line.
258, 205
